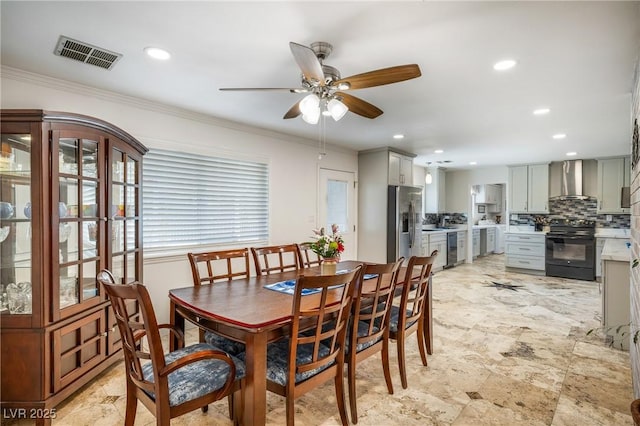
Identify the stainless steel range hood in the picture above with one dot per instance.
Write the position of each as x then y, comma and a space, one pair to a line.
571, 181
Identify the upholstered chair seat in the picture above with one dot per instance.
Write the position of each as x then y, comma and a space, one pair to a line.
197, 379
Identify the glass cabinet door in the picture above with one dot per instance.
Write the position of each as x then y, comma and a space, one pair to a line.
81, 221
15, 225
125, 210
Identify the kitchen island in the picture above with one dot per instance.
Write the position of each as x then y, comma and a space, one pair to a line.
616, 258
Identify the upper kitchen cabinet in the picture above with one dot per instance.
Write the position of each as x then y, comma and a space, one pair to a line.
435, 192
488, 194
70, 198
400, 168
377, 169
529, 188
613, 175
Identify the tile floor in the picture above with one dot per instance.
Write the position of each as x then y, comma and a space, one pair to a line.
503, 356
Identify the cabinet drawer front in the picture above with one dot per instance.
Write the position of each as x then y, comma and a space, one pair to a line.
525, 262
437, 238
529, 238
522, 249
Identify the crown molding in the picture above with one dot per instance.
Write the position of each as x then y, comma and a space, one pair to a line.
17, 74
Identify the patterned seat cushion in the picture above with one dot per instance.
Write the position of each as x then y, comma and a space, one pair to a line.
229, 346
363, 330
197, 379
278, 360
393, 323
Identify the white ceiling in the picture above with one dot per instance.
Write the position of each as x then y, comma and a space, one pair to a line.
577, 58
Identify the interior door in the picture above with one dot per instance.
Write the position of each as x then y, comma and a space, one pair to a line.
337, 205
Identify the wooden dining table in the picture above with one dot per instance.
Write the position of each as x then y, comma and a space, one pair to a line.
246, 311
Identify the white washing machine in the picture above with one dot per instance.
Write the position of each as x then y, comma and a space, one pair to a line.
500, 231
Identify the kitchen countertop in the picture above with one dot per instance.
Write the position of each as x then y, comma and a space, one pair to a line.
493, 225
432, 230
616, 249
524, 229
612, 233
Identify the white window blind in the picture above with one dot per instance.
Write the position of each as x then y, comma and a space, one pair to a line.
191, 199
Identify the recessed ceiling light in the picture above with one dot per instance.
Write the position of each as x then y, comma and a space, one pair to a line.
398, 136
473, 163
438, 151
559, 136
504, 65
25, 137
157, 53
572, 153
541, 111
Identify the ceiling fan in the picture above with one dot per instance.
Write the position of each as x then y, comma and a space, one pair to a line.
326, 89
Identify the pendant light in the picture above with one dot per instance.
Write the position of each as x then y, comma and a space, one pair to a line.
428, 179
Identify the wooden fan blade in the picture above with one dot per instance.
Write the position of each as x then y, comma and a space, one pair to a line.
381, 77
308, 63
293, 112
274, 89
358, 106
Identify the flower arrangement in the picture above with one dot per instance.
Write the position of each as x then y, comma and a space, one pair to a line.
328, 245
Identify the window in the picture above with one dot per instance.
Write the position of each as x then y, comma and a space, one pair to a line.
191, 200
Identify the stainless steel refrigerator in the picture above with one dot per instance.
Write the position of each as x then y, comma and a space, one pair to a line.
404, 222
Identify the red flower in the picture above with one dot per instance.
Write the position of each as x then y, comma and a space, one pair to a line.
340, 247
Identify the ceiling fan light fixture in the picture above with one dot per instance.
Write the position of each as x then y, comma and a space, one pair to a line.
344, 86
313, 117
337, 109
310, 105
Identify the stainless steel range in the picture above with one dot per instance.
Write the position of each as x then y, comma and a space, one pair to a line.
571, 249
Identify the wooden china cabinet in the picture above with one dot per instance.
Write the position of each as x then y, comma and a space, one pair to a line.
70, 193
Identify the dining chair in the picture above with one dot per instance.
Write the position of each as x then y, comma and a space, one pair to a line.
369, 327
409, 316
308, 257
277, 258
313, 353
214, 266
219, 266
171, 384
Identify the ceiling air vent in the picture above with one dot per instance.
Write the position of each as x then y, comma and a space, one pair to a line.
85, 52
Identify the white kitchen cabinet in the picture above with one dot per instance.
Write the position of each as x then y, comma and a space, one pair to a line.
487, 194
462, 246
613, 175
529, 188
373, 193
400, 169
476, 243
525, 251
438, 241
497, 206
615, 292
435, 192
424, 248
491, 240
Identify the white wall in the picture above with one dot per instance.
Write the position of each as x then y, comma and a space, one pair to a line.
634, 350
293, 163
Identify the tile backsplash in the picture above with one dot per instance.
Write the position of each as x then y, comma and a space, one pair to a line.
454, 218
574, 209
